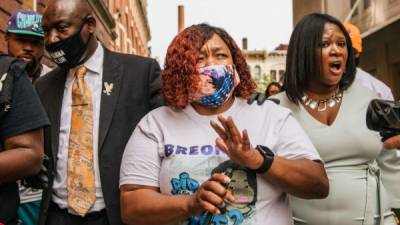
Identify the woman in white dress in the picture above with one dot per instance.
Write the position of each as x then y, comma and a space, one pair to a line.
364, 178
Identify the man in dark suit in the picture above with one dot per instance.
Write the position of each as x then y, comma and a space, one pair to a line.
94, 100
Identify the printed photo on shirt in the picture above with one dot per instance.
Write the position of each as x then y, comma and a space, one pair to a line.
243, 186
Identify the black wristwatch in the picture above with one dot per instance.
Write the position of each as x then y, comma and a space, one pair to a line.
268, 156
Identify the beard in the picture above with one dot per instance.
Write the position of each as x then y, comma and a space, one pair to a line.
32, 66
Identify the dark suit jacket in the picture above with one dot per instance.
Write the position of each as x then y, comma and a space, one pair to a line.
136, 91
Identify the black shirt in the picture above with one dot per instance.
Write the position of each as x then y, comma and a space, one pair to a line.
26, 114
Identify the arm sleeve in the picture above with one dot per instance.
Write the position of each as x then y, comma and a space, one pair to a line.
26, 112
155, 85
389, 163
141, 161
388, 95
293, 142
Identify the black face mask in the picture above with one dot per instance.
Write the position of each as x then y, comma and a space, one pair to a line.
67, 53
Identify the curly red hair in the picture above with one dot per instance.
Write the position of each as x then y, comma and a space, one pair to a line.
179, 77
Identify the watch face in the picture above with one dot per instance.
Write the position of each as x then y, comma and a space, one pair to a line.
266, 150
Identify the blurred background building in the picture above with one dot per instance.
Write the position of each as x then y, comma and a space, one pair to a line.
132, 26
122, 24
265, 66
276, 63
379, 22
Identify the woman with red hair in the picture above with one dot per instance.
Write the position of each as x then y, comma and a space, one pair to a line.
182, 167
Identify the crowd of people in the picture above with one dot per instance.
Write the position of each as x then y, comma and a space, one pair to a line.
106, 138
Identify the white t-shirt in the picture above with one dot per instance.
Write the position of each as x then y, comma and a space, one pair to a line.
175, 151
370, 82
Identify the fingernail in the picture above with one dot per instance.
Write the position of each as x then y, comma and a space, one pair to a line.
227, 179
218, 212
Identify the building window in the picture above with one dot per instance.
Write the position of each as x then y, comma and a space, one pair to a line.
273, 74
281, 74
352, 3
367, 4
257, 72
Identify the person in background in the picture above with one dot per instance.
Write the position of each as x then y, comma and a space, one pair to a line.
22, 119
173, 165
370, 81
94, 100
321, 92
272, 89
362, 76
25, 40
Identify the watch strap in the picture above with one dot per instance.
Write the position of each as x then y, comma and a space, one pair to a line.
268, 156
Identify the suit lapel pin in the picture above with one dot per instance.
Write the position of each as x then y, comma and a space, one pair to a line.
108, 88
7, 107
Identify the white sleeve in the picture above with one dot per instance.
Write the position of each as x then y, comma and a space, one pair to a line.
141, 160
293, 142
388, 95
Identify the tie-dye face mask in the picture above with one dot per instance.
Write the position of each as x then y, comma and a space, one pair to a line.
217, 84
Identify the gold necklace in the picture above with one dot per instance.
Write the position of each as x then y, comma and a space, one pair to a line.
322, 105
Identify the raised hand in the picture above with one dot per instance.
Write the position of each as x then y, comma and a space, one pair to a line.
235, 144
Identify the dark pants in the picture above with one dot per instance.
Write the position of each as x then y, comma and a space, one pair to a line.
59, 216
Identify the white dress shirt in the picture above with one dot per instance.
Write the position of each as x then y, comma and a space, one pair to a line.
369, 81
45, 70
94, 77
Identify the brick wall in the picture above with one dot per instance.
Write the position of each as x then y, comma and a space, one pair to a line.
7, 8
131, 27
